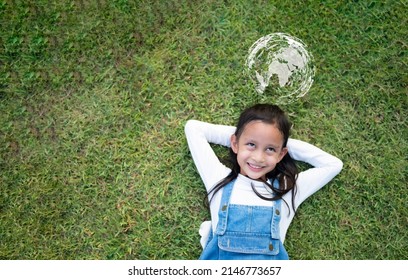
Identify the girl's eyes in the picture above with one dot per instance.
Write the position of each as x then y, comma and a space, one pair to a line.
269, 150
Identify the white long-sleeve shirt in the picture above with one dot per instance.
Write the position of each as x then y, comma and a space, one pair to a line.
200, 135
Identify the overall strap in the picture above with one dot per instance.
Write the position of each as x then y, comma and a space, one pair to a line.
276, 215
223, 211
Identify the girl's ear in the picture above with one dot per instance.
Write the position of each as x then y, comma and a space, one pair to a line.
283, 152
234, 143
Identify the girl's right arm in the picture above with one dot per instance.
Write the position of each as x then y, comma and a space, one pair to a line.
199, 136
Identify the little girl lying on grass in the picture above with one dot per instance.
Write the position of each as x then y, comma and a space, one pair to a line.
253, 203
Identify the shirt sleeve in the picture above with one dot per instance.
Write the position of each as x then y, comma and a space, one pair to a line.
199, 136
324, 168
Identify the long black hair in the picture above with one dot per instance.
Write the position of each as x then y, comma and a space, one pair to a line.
285, 171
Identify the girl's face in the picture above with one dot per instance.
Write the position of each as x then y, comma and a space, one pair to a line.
258, 149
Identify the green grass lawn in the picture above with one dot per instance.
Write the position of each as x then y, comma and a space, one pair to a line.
94, 96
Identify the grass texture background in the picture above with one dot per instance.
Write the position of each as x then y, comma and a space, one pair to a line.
94, 96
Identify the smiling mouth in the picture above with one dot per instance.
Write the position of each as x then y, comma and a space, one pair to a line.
255, 167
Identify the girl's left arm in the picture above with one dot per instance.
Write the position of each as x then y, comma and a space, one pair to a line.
324, 168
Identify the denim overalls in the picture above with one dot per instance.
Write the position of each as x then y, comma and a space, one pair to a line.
245, 232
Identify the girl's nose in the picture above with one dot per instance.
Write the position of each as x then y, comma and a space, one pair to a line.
259, 156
